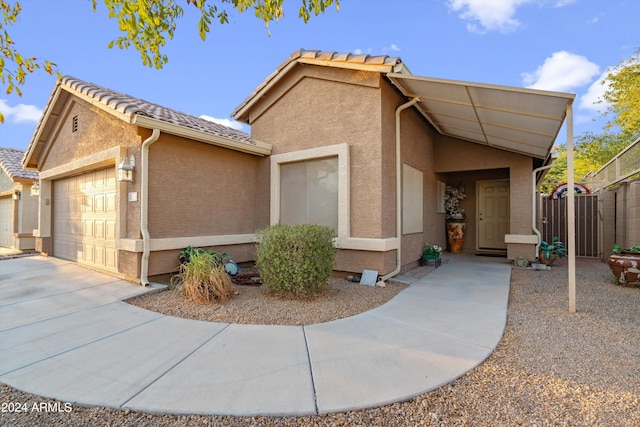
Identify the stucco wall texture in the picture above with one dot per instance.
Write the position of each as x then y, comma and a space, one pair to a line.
196, 189
619, 209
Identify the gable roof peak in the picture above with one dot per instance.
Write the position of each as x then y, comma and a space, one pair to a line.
383, 64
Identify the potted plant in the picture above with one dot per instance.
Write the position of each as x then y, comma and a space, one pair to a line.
431, 252
455, 217
548, 252
625, 265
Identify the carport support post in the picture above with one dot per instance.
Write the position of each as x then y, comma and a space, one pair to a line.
571, 212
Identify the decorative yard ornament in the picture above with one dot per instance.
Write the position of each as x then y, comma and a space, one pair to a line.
561, 190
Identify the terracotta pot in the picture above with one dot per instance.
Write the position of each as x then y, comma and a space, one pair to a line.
542, 257
455, 236
626, 269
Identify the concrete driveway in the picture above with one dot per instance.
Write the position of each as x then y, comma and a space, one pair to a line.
65, 333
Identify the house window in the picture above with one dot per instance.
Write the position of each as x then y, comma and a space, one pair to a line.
309, 192
412, 200
312, 187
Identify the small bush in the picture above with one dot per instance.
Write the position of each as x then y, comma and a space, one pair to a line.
203, 278
218, 257
296, 259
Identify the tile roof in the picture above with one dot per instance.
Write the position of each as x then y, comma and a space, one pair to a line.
345, 57
130, 106
10, 161
380, 63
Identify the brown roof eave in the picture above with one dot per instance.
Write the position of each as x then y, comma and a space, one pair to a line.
253, 147
29, 162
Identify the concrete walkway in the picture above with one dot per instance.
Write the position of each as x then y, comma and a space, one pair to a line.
65, 333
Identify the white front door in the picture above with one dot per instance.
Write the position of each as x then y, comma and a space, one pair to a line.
493, 214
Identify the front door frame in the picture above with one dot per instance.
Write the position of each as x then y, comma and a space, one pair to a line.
479, 213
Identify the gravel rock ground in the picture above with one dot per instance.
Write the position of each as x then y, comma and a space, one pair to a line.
552, 368
256, 305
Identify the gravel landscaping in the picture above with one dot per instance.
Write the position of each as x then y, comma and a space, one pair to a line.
552, 367
256, 305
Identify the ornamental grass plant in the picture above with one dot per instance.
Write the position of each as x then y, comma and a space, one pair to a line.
203, 278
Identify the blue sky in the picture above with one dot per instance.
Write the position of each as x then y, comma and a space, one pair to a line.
561, 45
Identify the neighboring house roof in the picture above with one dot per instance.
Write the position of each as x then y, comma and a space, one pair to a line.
381, 64
524, 121
10, 162
140, 112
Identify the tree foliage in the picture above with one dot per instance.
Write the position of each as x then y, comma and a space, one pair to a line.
623, 95
145, 25
14, 65
594, 150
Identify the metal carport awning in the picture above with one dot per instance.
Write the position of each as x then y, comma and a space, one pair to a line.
525, 121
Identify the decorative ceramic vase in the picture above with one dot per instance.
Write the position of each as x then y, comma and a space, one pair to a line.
626, 268
542, 257
455, 236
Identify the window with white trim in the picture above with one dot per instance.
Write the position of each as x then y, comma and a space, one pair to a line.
312, 187
309, 192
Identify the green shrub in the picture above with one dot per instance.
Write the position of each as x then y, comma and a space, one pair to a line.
295, 259
218, 257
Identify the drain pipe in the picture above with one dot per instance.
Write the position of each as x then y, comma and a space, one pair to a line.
399, 110
144, 207
554, 156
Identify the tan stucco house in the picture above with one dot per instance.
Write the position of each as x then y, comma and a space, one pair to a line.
18, 206
352, 141
395, 141
193, 182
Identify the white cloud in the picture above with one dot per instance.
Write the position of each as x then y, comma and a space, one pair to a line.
563, 3
225, 122
384, 50
20, 113
562, 71
495, 15
590, 100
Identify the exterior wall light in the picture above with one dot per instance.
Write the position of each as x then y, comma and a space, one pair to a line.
126, 168
35, 189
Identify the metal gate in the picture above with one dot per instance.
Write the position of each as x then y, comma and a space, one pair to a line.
554, 222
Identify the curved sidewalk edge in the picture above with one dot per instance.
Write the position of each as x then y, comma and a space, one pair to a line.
66, 334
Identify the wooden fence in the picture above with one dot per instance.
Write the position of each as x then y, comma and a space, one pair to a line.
554, 222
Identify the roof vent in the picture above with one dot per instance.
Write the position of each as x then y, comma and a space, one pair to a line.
75, 124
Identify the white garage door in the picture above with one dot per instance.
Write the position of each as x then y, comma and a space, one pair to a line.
84, 219
6, 222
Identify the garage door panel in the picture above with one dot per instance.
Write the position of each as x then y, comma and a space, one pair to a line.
99, 204
87, 229
110, 202
85, 218
110, 230
87, 253
6, 221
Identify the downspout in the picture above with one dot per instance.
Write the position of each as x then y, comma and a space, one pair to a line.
144, 207
401, 108
534, 211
